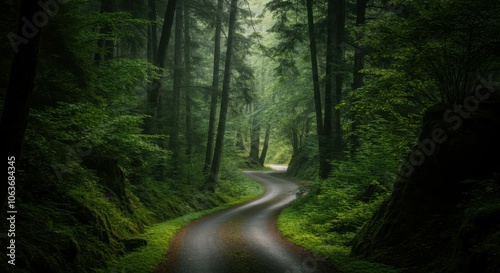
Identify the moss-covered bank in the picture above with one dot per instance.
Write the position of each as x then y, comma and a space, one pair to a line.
105, 217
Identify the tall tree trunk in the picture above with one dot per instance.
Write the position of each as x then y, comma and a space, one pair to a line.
338, 64
129, 45
326, 150
253, 158
187, 79
333, 85
262, 158
359, 64
329, 71
215, 88
152, 31
174, 109
320, 130
154, 90
212, 179
20, 89
295, 140
314, 66
168, 22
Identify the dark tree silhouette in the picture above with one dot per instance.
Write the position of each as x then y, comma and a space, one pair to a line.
215, 88
20, 89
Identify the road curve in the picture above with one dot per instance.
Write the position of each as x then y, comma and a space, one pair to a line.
243, 238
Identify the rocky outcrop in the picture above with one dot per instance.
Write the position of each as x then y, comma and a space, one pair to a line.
444, 212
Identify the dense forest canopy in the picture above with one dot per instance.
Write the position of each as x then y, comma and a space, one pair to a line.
119, 114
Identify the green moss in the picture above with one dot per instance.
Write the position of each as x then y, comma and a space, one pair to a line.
111, 218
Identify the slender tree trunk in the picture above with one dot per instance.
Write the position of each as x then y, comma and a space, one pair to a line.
262, 158
168, 22
253, 158
359, 64
215, 89
174, 109
314, 64
307, 129
338, 64
325, 167
19, 90
187, 79
152, 31
320, 130
212, 179
295, 140
154, 90
130, 47
333, 85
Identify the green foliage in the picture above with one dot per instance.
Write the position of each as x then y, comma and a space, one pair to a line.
280, 152
335, 211
329, 213
81, 114
234, 186
86, 111
440, 46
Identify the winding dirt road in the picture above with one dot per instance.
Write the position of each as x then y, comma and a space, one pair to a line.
243, 238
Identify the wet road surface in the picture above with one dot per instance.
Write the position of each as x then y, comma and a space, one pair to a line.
243, 238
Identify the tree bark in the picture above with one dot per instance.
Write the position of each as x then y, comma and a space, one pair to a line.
152, 30
359, 64
332, 148
154, 91
19, 90
215, 88
320, 130
187, 80
314, 66
165, 32
262, 158
326, 153
338, 64
212, 179
253, 158
294, 138
174, 109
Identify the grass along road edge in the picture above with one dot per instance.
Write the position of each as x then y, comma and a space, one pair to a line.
159, 236
294, 227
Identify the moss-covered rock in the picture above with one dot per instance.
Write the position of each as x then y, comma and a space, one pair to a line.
133, 243
443, 215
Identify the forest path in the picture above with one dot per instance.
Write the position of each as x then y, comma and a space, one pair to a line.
243, 238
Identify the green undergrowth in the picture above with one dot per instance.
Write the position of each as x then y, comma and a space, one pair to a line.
146, 259
328, 214
81, 225
294, 227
